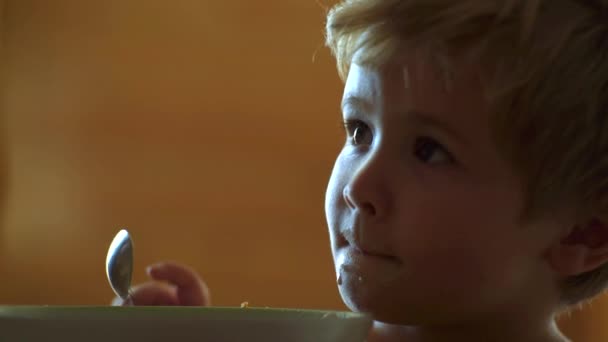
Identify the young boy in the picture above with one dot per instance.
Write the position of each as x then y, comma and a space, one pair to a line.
470, 201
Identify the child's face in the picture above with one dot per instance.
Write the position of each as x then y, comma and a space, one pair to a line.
422, 211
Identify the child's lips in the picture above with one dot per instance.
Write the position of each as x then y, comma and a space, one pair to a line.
374, 254
357, 263
351, 240
366, 252
369, 252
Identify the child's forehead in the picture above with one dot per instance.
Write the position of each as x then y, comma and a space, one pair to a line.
422, 66
415, 83
418, 75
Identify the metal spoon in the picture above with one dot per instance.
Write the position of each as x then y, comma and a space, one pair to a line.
119, 265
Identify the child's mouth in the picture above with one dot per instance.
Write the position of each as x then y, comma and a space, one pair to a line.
353, 241
368, 253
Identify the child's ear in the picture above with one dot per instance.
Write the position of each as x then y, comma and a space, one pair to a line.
584, 248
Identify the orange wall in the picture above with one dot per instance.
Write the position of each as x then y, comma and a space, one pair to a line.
208, 128
205, 127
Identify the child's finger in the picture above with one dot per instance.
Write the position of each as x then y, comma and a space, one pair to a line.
191, 289
156, 294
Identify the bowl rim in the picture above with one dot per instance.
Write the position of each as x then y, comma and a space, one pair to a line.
80, 312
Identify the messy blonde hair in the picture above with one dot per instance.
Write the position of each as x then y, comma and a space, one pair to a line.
545, 69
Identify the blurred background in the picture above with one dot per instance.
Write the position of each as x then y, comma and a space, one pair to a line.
207, 128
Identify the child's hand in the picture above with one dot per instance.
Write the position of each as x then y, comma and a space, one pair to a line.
173, 284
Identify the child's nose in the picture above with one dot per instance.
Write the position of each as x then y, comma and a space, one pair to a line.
367, 191
353, 202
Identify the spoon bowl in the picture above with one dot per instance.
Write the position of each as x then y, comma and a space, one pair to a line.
119, 265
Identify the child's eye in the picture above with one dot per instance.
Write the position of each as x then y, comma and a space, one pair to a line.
429, 151
358, 133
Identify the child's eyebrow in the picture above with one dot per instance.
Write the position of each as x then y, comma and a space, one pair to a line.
430, 120
421, 118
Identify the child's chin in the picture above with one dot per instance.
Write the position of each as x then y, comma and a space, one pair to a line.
383, 307
363, 304
360, 296
369, 283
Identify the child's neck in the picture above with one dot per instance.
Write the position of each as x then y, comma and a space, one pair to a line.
382, 332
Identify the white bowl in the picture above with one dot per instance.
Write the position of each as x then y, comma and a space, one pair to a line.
183, 324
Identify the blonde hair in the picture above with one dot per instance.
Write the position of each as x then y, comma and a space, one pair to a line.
545, 69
